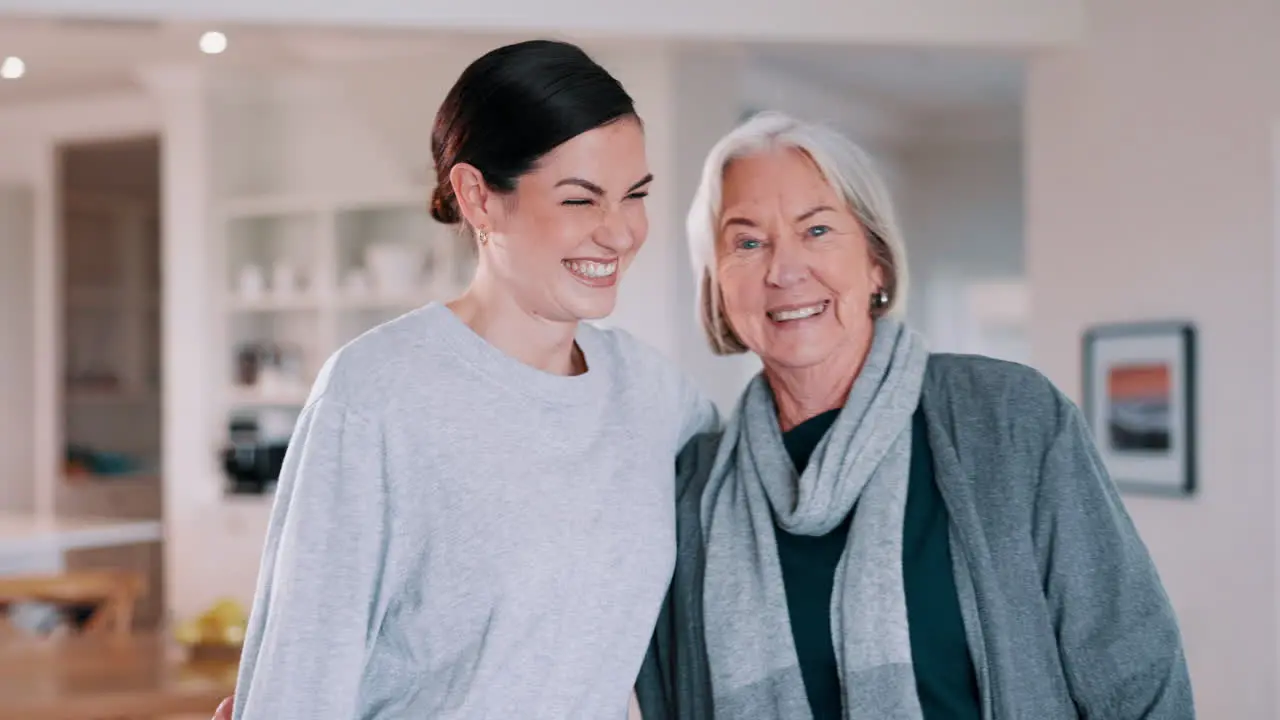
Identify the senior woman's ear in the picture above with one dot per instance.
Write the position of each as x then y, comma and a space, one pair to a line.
880, 297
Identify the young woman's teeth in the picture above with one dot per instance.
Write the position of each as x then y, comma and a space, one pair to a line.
797, 313
589, 269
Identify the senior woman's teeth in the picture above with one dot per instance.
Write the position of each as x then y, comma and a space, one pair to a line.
797, 313
591, 270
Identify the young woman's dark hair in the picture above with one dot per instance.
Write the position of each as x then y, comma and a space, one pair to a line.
512, 106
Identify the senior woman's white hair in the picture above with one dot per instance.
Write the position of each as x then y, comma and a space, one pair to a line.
843, 164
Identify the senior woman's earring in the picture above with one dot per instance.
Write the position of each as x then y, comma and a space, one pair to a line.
879, 300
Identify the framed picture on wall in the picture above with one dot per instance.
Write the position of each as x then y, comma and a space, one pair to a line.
1139, 399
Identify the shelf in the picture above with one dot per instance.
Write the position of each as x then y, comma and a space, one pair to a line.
304, 303
111, 397
266, 206
415, 198
407, 301
274, 303
251, 398
144, 477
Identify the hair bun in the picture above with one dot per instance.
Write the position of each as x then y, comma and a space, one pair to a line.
444, 209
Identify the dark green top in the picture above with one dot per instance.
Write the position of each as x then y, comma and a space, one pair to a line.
945, 675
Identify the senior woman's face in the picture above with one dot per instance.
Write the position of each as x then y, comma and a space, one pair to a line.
793, 262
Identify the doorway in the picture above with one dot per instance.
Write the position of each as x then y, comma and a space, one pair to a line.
110, 339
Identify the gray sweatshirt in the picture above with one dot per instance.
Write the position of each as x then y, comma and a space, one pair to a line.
459, 535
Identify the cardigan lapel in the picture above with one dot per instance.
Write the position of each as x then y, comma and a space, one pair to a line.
971, 556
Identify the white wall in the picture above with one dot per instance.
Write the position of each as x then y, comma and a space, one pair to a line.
18, 172
17, 358
1150, 195
961, 208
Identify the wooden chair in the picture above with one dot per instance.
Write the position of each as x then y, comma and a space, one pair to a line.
109, 596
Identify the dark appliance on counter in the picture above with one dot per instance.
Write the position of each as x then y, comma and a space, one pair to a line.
254, 454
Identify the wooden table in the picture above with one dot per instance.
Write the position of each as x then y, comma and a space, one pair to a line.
135, 678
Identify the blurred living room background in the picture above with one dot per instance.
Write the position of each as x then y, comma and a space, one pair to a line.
200, 200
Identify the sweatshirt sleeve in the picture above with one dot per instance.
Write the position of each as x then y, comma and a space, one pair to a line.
316, 606
1117, 633
698, 413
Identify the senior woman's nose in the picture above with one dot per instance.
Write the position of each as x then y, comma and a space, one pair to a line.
788, 264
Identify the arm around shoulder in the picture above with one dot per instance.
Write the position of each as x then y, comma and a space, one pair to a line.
1117, 633
319, 586
700, 415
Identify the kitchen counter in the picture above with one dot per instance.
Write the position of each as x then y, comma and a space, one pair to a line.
36, 544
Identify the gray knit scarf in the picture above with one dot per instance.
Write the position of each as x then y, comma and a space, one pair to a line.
864, 460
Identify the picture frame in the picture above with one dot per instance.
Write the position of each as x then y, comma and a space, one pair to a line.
1140, 403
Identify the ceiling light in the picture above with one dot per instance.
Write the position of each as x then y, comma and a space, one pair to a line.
12, 68
213, 42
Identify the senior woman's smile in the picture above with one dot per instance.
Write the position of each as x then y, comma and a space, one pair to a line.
792, 315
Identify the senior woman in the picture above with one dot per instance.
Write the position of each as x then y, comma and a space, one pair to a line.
882, 532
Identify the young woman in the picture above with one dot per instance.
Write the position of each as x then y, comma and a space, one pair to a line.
475, 518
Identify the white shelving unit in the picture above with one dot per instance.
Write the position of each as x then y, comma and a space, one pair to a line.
298, 281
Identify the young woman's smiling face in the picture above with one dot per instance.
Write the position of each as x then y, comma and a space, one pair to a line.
561, 241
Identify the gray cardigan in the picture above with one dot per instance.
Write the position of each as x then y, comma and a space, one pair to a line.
1064, 610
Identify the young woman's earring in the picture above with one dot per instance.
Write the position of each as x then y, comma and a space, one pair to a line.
482, 236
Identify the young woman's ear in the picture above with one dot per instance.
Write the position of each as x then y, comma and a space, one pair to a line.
475, 199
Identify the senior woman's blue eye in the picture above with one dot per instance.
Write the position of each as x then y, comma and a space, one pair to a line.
819, 230
748, 244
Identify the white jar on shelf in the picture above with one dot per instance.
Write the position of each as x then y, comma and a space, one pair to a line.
252, 282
